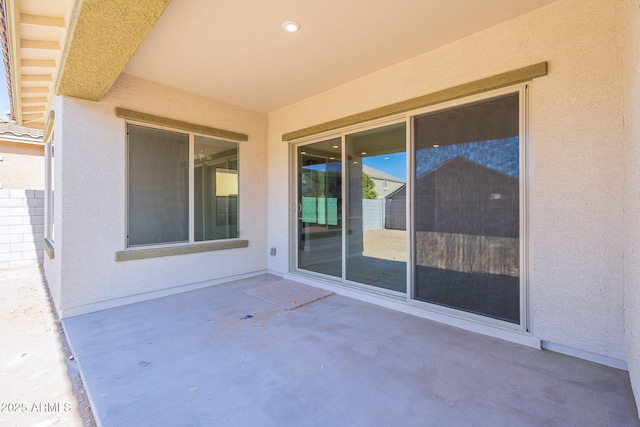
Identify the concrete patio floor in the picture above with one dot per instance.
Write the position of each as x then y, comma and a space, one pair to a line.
192, 360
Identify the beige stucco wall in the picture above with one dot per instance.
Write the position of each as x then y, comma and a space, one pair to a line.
632, 200
22, 166
90, 197
576, 129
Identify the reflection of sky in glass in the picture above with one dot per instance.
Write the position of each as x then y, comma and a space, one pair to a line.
394, 164
324, 167
499, 154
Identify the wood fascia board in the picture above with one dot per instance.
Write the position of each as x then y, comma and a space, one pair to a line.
12, 10
35, 100
32, 89
38, 63
497, 81
48, 127
102, 37
33, 109
37, 78
39, 44
136, 116
43, 21
35, 124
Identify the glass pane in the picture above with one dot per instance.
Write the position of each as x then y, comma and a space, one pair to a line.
467, 208
158, 186
320, 207
376, 207
215, 189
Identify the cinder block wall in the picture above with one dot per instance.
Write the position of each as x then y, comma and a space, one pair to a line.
21, 228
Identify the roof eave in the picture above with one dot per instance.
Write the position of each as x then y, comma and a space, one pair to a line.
11, 44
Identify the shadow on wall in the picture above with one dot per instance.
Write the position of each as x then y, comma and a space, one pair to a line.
21, 228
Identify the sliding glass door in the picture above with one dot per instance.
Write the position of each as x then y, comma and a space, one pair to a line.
372, 247
443, 230
319, 207
376, 242
467, 208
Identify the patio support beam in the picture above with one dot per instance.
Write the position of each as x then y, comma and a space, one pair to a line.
102, 38
498, 81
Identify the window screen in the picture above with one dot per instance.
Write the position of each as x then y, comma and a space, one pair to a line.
466, 208
158, 208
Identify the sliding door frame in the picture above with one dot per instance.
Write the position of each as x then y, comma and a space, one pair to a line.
525, 326
294, 226
523, 91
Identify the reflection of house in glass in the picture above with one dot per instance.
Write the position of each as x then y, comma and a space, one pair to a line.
376, 213
467, 238
395, 209
461, 196
384, 183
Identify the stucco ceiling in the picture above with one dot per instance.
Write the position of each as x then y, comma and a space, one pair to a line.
235, 51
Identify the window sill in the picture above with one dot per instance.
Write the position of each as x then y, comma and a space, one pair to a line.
135, 254
48, 248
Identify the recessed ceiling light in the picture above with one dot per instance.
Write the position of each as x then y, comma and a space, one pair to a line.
436, 145
335, 146
363, 153
291, 26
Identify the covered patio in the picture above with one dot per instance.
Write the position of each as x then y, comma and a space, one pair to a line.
196, 358
192, 143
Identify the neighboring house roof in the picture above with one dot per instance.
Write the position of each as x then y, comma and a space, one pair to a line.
11, 131
397, 192
462, 159
377, 174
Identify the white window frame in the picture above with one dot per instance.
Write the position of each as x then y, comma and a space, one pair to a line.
48, 243
191, 202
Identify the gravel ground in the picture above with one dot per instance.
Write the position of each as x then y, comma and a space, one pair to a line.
40, 380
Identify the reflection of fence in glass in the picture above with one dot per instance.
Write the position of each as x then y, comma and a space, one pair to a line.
320, 210
468, 253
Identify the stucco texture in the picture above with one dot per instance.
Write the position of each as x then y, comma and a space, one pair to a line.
576, 133
90, 219
22, 166
632, 201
